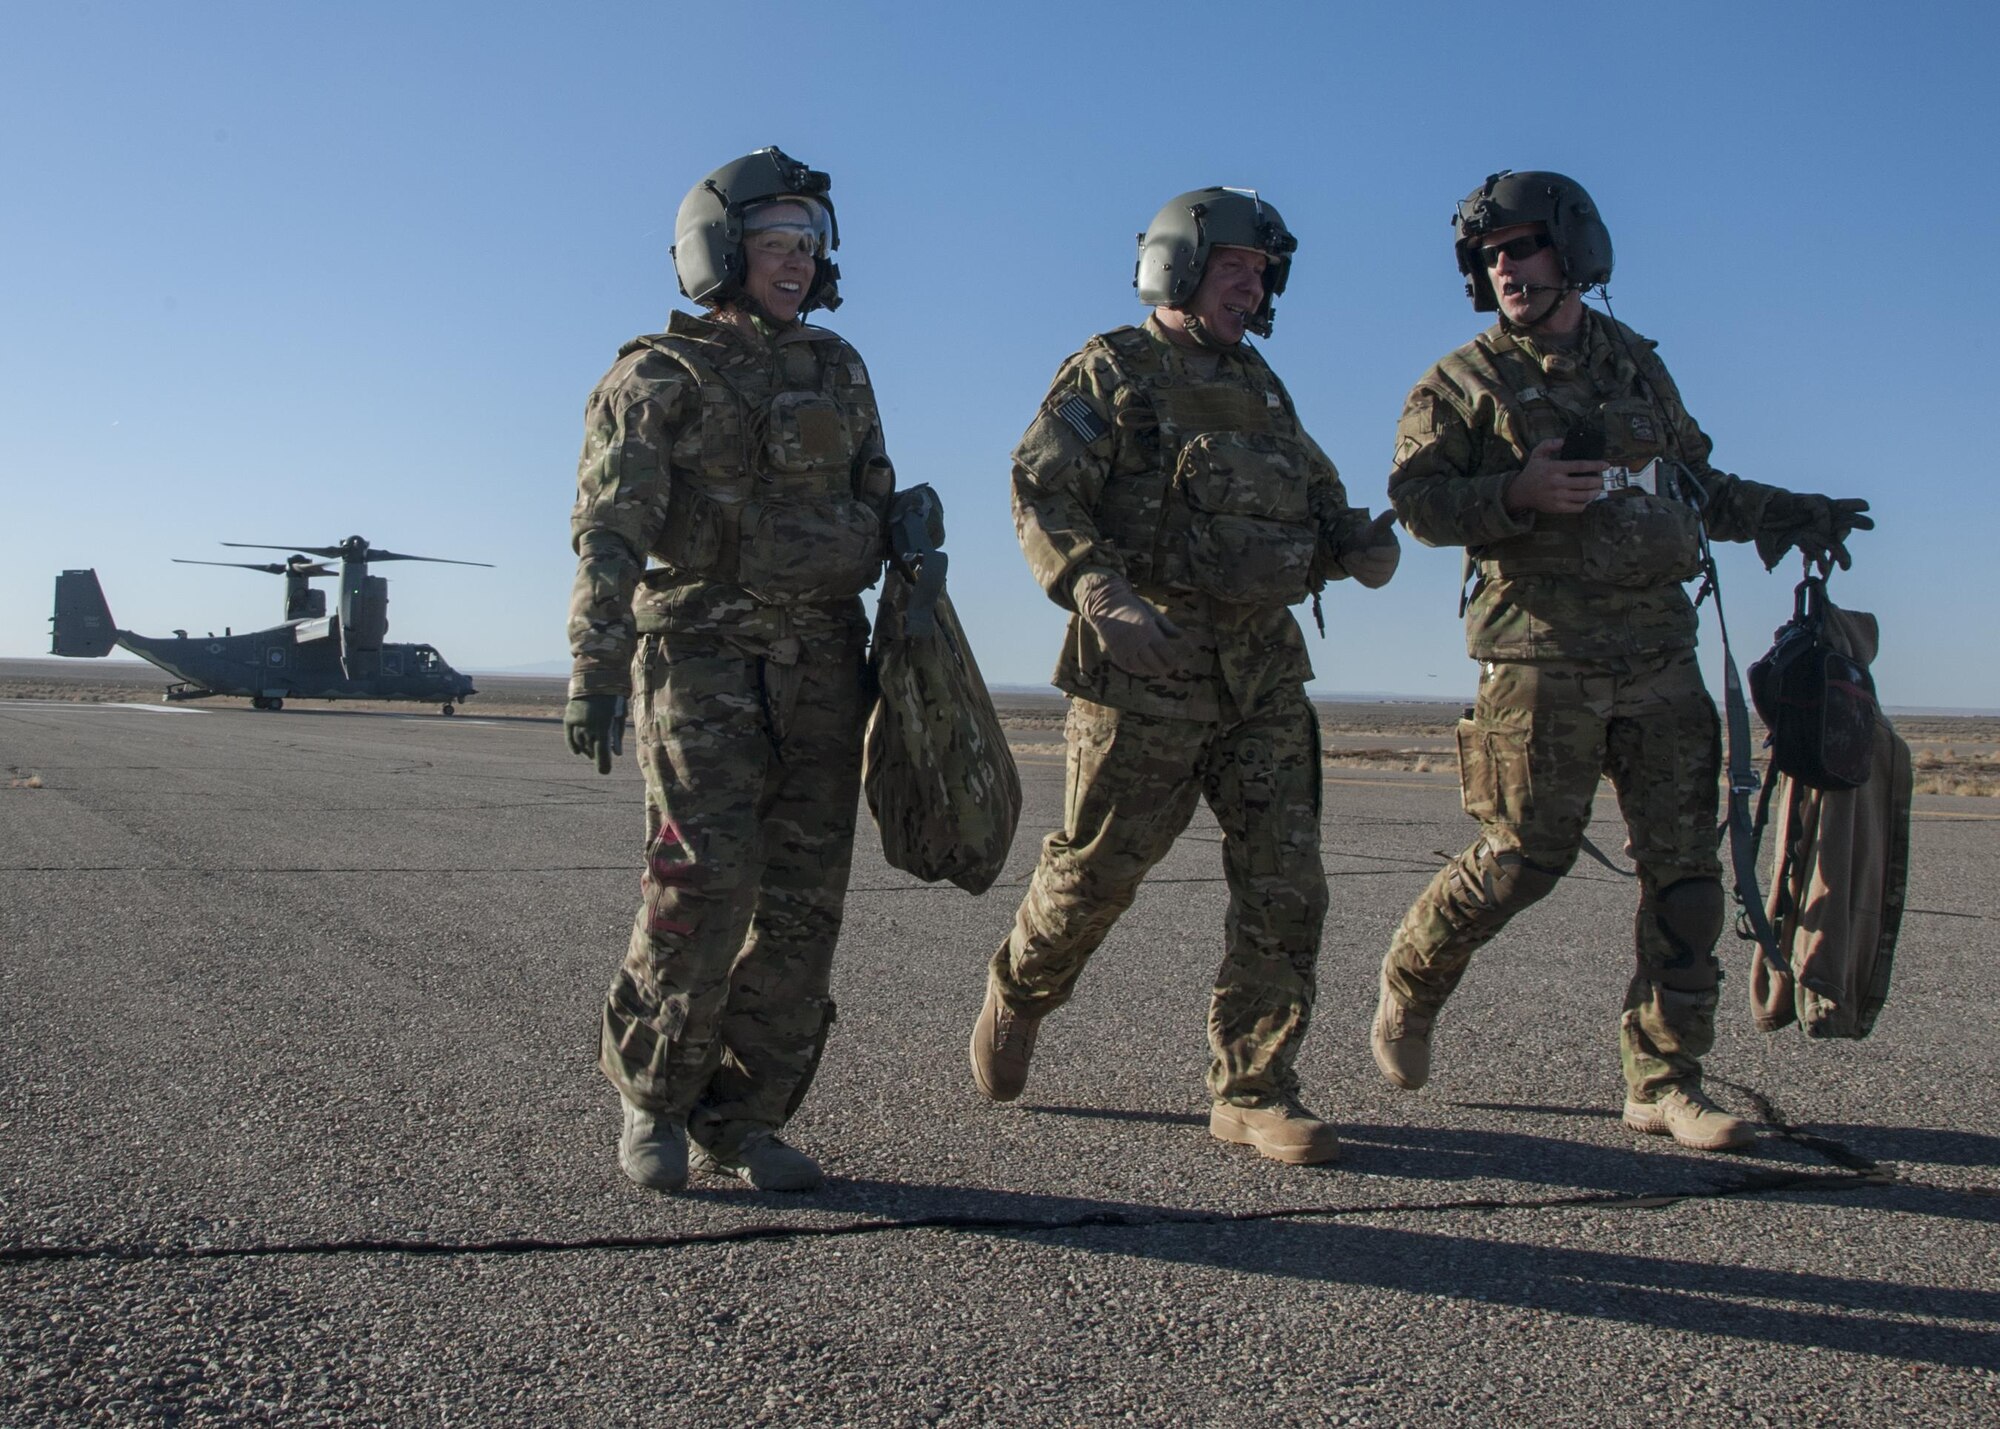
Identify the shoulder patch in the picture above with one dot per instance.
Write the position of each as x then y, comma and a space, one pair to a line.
1081, 419
857, 374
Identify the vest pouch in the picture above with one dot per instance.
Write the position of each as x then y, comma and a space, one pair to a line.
1251, 538
806, 433
696, 534
1632, 432
1633, 539
810, 547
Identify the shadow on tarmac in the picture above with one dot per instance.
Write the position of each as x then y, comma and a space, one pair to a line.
1782, 1307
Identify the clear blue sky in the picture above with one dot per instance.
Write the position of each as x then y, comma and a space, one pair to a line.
287, 272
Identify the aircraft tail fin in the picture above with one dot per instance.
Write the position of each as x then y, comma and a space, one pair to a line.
83, 625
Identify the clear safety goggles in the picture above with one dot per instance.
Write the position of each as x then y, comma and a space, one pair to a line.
786, 226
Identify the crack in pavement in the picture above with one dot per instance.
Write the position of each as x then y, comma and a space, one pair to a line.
1756, 1183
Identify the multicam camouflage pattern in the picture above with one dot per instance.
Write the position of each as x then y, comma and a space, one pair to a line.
1588, 641
752, 472
1137, 447
1095, 489
1530, 758
1133, 782
938, 773
752, 769
1603, 583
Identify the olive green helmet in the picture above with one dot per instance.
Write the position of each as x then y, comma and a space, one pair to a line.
1173, 251
708, 233
1559, 204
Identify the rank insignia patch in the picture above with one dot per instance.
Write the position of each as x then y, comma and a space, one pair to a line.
1077, 414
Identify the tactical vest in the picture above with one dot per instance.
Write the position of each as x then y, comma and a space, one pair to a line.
1224, 510
1628, 538
771, 505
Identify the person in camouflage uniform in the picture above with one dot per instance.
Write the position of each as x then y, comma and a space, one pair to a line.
1167, 495
742, 451
1583, 630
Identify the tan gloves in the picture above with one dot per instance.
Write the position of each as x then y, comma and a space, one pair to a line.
1373, 557
1136, 637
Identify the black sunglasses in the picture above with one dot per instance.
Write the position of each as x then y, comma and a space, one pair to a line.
1526, 246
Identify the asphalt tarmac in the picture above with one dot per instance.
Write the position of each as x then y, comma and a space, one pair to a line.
300, 1124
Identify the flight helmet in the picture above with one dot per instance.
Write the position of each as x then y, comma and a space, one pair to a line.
1173, 251
1559, 204
708, 233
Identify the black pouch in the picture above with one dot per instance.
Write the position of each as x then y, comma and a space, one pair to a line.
1818, 705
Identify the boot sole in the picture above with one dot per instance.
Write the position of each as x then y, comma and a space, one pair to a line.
1317, 1153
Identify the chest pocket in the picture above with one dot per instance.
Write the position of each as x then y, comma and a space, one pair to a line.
1251, 540
804, 536
805, 434
1632, 432
1523, 427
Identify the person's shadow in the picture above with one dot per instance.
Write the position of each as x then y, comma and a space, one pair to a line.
1798, 1307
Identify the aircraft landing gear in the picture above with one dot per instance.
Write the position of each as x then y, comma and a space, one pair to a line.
261, 702
451, 709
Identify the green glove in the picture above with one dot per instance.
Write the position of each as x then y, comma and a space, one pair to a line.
595, 727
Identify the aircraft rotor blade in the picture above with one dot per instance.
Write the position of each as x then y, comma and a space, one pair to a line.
440, 560
268, 567
354, 548
330, 553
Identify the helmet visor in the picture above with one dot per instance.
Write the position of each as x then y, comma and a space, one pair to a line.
788, 225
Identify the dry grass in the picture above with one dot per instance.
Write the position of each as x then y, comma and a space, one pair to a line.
1409, 761
1952, 781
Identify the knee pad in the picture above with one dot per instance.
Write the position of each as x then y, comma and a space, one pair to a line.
1689, 917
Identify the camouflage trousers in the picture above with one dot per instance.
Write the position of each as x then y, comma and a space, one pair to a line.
753, 771
1133, 782
1530, 758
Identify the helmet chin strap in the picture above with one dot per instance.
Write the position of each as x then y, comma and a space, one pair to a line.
1195, 328
1561, 290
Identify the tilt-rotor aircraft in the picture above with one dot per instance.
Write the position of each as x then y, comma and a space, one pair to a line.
311, 656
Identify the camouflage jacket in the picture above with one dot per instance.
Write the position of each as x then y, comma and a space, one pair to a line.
1601, 584
752, 472
1110, 477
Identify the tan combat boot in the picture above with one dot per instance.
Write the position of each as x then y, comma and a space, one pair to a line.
653, 1150
1687, 1115
1401, 1039
764, 1162
1002, 1042
1278, 1127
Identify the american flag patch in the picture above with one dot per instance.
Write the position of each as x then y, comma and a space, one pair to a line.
1080, 418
